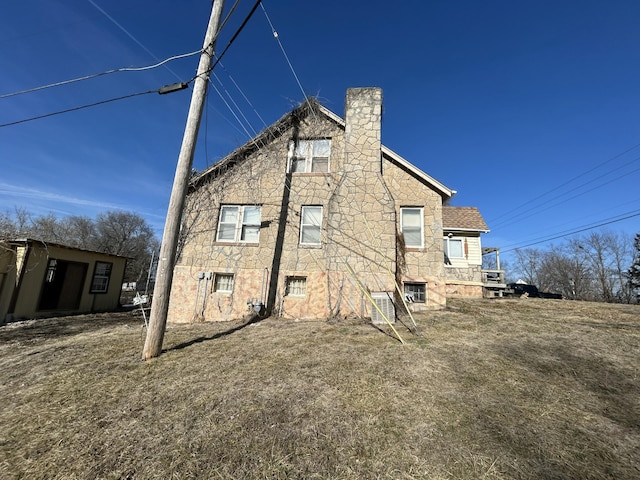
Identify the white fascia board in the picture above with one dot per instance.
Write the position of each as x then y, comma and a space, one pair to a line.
412, 168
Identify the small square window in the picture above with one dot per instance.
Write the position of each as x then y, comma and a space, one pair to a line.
223, 283
415, 292
296, 286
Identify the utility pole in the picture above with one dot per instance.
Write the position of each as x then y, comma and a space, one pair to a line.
166, 260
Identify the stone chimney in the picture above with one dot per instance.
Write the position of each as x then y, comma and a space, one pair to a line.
363, 118
361, 217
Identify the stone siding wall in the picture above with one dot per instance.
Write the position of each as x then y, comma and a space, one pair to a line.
361, 197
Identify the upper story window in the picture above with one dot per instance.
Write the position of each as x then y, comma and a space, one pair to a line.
239, 223
453, 248
310, 225
412, 226
101, 276
310, 156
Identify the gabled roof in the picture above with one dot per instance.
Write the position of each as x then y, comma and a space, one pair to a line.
463, 219
310, 107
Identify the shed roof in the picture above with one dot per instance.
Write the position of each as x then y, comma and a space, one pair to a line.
463, 218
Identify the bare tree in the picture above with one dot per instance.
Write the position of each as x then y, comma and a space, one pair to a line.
527, 264
126, 234
633, 274
606, 253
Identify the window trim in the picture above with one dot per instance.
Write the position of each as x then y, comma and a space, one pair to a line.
303, 225
447, 248
295, 278
402, 227
423, 285
104, 276
239, 224
220, 275
308, 156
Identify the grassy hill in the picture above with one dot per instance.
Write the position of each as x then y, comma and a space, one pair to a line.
504, 389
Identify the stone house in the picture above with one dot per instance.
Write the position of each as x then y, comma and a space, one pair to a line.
313, 218
42, 279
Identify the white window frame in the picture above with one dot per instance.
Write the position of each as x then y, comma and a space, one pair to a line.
305, 151
223, 282
404, 228
241, 225
306, 225
447, 247
296, 286
410, 294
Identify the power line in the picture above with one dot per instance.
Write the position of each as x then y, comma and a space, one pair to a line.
536, 210
81, 107
609, 221
96, 75
235, 35
558, 187
277, 37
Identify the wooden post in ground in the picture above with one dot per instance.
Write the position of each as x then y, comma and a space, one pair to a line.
166, 260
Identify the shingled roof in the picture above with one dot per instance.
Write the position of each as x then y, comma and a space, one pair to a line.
463, 218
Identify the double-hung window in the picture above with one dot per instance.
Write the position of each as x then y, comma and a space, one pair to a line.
239, 223
101, 276
453, 248
310, 156
311, 225
412, 226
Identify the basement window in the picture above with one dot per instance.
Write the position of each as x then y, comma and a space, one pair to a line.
415, 292
101, 276
223, 283
239, 223
296, 286
309, 156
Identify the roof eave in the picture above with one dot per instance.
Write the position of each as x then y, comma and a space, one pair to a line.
460, 229
442, 189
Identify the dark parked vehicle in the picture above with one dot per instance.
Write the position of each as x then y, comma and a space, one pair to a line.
519, 289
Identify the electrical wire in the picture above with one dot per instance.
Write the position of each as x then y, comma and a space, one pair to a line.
96, 75
277, 37
81, 107
235, 35
558, 187
585, 228
536, 210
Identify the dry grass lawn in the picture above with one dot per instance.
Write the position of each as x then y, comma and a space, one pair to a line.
505, 389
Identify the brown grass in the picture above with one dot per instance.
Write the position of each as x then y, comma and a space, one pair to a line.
509, 389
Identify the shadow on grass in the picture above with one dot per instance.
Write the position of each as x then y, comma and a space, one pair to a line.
53, 327
253, 320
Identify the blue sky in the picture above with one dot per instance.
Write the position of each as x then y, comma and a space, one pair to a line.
529, 109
